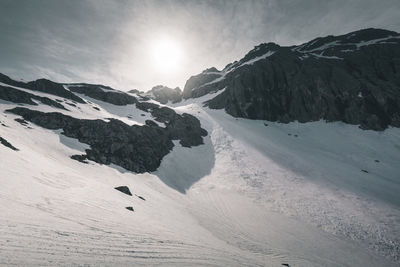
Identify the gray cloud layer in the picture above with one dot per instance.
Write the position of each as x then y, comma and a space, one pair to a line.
108, 42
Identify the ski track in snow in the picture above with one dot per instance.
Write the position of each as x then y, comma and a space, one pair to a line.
264, 198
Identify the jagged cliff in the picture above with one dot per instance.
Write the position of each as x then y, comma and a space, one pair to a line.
354, 78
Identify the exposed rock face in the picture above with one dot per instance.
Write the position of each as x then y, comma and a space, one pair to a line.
7, 80
7, 144
164, 94
103, 93
185, 127
43, 85
53, 88
21, 121
124, 189
354, 78
18, 96
135, 148
80, 158
151, 123
200, 80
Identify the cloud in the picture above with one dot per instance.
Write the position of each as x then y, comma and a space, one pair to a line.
108, 41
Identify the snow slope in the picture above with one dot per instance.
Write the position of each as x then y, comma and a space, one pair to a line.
252, 195
334, 176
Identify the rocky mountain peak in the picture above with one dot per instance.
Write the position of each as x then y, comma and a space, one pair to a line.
353, 78
211, 70
164, 94
349, 42
259, 52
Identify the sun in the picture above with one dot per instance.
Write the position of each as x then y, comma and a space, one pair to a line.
166, 55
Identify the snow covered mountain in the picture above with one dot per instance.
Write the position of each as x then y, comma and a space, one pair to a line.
164, 94
353, 78
94, 176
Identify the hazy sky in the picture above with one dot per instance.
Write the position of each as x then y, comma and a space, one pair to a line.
111, 42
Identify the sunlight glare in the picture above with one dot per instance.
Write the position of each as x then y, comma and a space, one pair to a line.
167, 55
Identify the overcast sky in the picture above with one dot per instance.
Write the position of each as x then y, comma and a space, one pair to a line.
110, 42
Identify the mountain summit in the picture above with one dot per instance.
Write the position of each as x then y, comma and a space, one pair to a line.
354, 78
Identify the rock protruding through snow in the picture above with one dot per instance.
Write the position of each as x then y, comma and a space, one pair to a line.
135, 148
352, 78
7, 144
18, 96
124, 189
164, 94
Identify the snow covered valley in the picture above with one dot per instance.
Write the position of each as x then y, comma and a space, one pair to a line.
256, 193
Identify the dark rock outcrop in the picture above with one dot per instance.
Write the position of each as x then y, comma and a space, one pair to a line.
21, 121
142, 198
198, 81
124, 189
80, 158
18, 96
53, 88
164, 94
43, 85
354, 78
71, 104
129, 208
7, 144
146, 106
103, 93
185, 127
7, 80
135, 148
151, 123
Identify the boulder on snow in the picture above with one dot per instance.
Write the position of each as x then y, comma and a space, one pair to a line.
142, 198
129, 208
124, 189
